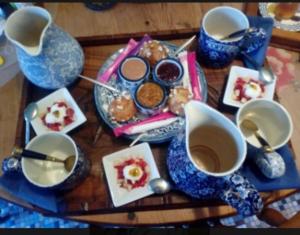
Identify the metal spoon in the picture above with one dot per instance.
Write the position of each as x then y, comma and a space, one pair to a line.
183, 46
266, 75
159, 186
30, 112
237, 33
68, 162
250, 125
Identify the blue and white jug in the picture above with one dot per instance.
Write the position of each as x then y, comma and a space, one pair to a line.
48, 56
203, 161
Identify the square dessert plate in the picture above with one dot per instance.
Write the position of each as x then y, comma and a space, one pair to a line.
119, 195
235, 73
59, 95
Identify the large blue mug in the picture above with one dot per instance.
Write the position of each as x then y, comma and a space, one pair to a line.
217, 23
203, 162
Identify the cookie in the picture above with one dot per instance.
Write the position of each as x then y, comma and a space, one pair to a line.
122, 109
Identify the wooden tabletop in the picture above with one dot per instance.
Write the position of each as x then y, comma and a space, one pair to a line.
10, 99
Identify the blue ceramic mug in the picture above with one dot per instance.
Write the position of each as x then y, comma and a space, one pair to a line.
53, 175
217, 23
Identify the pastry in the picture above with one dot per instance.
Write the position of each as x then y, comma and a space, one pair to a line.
153, 51
178, 97
122, 109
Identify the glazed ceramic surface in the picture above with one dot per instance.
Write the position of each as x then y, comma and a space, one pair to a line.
234, 189
49, 57
190, 170
103, 98
222, 21
52, 175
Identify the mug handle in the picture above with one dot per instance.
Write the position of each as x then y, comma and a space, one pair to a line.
241, 195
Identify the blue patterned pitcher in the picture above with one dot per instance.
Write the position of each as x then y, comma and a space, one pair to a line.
49, 57
203, 161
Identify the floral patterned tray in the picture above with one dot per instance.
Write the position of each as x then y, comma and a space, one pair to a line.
103, 97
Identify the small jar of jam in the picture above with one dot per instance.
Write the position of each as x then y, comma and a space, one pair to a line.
132, 71
168, 72
150, 98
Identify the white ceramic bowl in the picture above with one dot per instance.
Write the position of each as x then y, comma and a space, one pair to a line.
46, 174
272, 119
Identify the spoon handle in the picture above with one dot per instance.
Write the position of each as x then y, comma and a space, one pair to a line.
35, 155
266, 146
27, 132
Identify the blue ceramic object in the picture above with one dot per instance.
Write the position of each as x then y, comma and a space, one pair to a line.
128, 83
154, 110
271, 164
49, 57
233, 189
104, 97
168, 83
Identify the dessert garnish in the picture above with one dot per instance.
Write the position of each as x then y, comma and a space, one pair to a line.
247, 88
150, 94
132, 173
58, 116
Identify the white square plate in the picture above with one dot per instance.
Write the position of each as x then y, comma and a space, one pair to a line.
121, 196
237, 71
60, 95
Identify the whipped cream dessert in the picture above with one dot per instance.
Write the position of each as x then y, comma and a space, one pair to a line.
247, 88
58, 116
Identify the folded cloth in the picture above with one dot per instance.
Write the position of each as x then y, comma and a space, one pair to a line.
259, 54
18, 186
289, 180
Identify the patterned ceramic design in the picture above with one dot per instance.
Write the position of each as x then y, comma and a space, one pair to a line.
132, 84
103, 97
219, 54
270, 164
234, 189
288, 25
59, 63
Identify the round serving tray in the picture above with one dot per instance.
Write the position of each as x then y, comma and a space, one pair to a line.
103, 98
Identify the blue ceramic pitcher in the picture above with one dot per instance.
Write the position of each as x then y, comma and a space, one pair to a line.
203, 161
49, 57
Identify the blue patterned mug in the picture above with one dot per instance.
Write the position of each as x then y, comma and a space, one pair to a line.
53, 175
217, 23
203, 161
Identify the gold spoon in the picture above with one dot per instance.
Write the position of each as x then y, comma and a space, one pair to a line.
68, 162
250, 125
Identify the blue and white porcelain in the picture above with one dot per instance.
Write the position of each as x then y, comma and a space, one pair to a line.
153, 110
130, 84
104, 97
217, 23
271, 164
172, 83
48, 56
53, 175
194, 179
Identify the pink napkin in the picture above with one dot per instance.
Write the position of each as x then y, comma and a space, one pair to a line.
129, 128
196, 88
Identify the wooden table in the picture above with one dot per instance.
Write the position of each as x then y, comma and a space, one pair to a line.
95, 55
